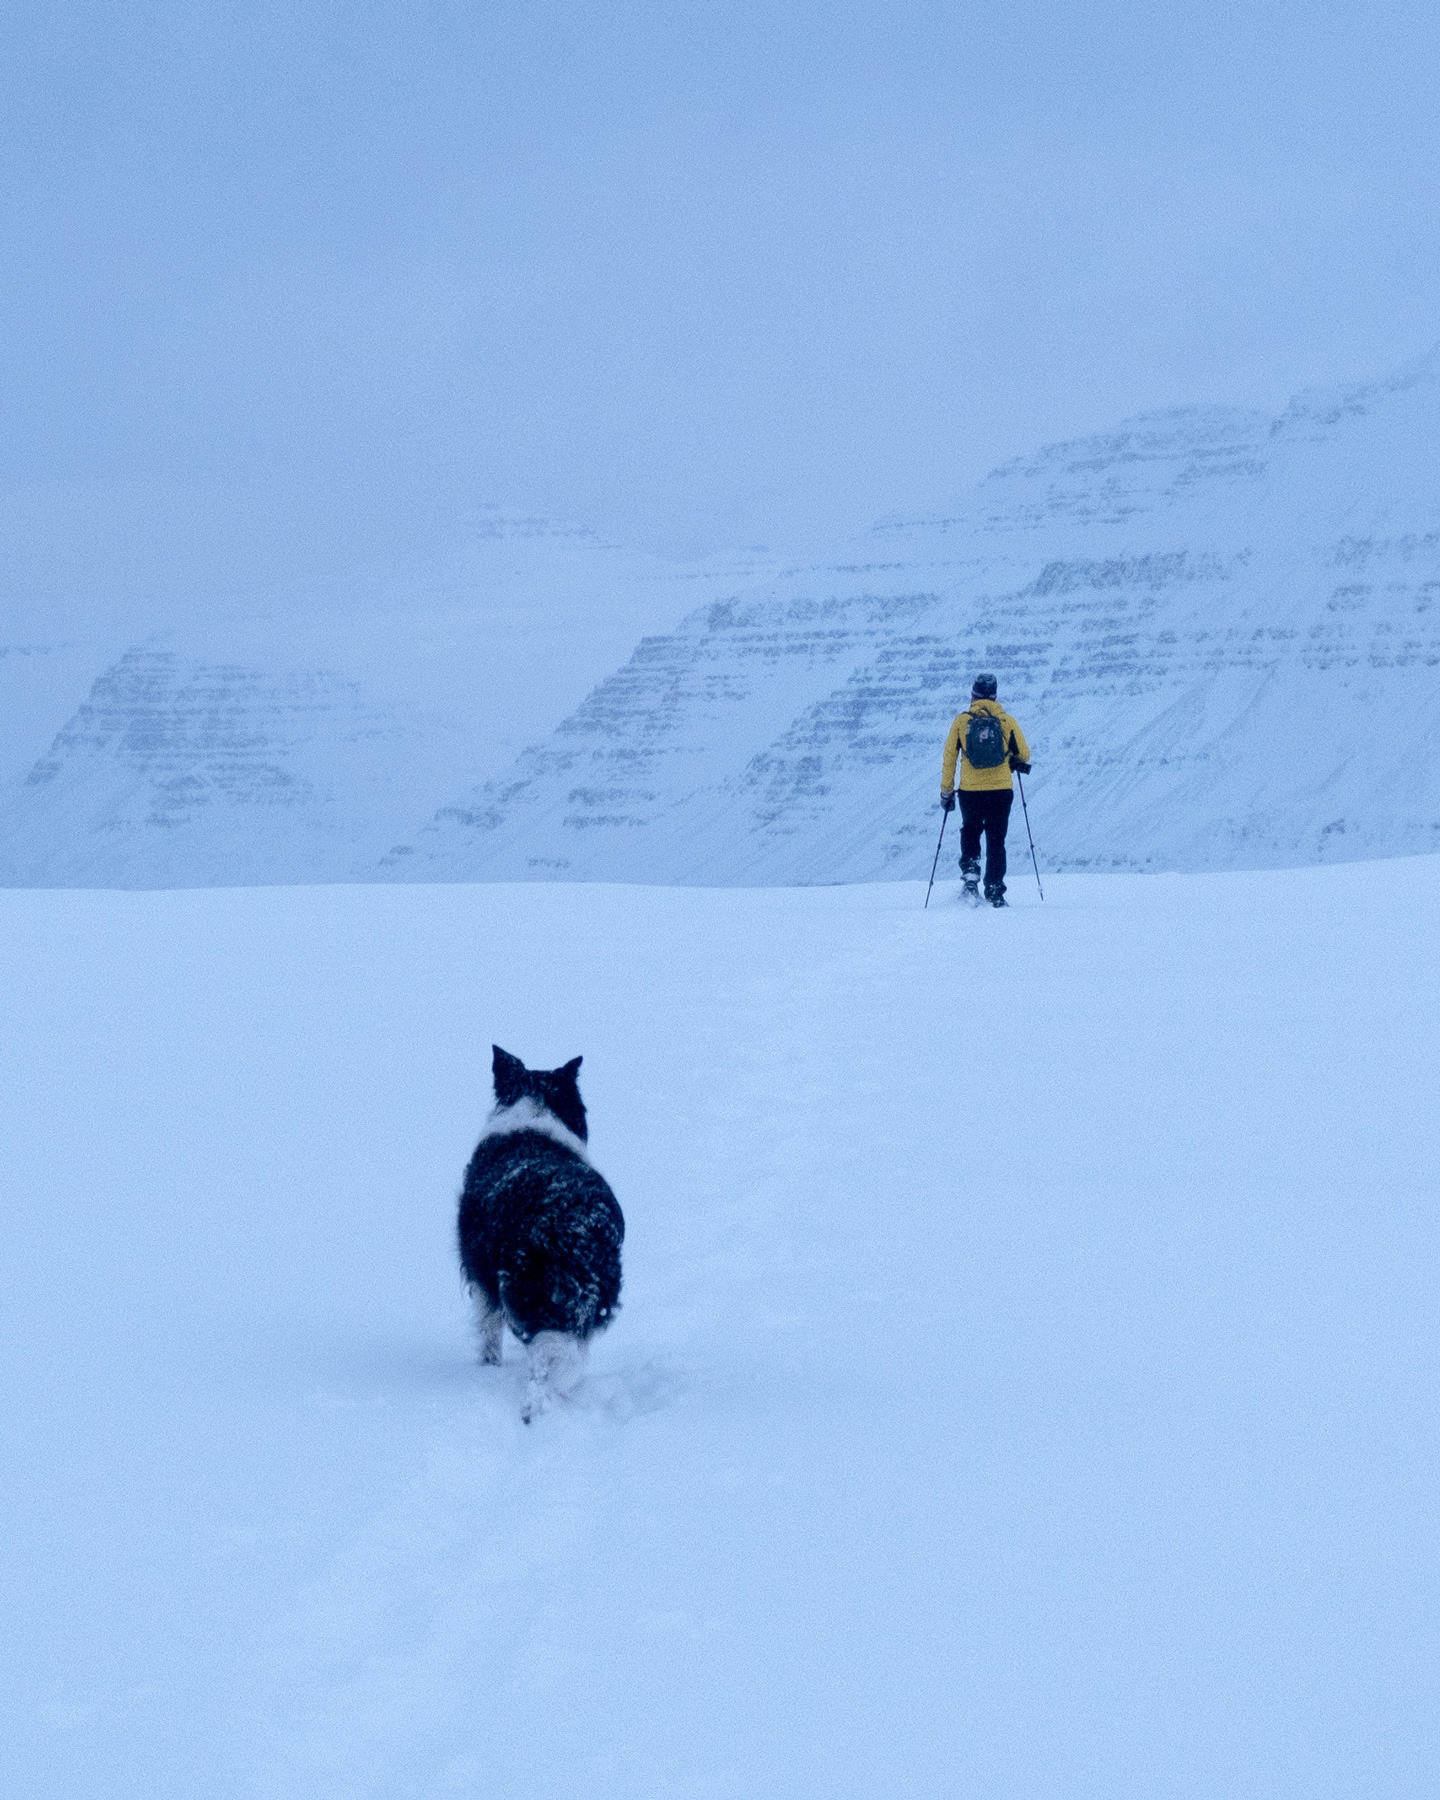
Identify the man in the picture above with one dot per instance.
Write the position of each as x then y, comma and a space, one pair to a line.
989, 745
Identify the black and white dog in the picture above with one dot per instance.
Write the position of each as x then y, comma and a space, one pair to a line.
540, 1230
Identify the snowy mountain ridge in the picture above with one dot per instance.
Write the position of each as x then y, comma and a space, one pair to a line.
290, 736
1218, 628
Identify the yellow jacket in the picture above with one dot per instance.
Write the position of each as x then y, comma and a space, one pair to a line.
973, 780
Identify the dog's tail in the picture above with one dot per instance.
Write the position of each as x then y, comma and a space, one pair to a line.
571, 1302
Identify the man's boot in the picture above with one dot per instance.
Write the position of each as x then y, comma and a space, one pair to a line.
970, 875
995, 893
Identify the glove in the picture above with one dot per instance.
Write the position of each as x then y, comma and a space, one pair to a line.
1020, 768
947, 801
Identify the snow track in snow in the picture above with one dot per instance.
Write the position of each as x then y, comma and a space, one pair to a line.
1025, 1380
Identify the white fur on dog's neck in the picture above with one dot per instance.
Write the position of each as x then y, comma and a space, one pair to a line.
528, 1115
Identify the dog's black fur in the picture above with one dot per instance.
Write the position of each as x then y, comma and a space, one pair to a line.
540, 1231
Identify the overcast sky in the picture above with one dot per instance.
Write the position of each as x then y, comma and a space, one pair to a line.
290, 286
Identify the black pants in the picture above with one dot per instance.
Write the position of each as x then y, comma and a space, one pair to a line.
988, 812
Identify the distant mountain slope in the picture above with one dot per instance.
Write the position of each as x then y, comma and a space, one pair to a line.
1222, 633
292, 736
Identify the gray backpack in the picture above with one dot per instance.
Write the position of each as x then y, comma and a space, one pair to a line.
985, 746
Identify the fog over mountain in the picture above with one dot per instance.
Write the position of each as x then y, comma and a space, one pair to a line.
292, 735
1220, 630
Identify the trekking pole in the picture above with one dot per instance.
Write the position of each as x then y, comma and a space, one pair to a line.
936, 864
1021, 779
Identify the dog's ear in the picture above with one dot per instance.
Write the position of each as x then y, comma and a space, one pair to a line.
509, 1074
562, 1096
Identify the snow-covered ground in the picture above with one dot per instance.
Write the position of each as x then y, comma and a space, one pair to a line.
1026, 1382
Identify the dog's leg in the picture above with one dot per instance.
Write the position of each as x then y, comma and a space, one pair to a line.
489, 1323
556, 1360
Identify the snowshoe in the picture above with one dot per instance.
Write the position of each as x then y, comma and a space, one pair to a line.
996, 896
970, 891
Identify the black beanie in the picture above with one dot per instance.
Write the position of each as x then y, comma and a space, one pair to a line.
985, 688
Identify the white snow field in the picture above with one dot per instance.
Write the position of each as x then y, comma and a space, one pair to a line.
1026, 1382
